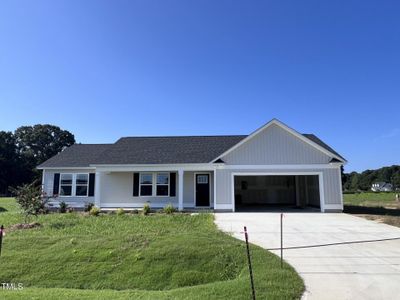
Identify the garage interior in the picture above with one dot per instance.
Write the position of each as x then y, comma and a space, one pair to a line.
269, 192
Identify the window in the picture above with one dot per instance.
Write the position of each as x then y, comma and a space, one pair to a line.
202, 179
66, 185
74, 185
81, 184
162, 184
146, 184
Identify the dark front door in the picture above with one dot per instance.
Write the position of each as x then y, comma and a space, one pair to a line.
202, 190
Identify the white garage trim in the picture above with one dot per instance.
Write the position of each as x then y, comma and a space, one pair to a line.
224, 207
280, 167
341, 188
320, 179
338, 207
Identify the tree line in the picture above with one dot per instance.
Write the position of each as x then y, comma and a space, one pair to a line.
24, 149
362, 181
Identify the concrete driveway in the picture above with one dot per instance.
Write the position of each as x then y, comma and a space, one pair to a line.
353, 271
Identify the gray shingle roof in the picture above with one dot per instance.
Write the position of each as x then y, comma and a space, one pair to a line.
153, 150
316, 140
167, 150
78, 155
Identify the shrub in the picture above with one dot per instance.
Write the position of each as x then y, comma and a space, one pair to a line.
94, 211
88, 206
63, 207
134, 212
120, 212
30, 199
146, 209
169, 209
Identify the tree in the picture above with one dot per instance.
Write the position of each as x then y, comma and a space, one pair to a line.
28, 147
396, 180
40, 142
8, 161
363, 181
354, 181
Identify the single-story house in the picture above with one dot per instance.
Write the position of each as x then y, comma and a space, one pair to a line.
273, 166
382, 187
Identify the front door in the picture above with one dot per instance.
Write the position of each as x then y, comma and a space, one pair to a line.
202, 186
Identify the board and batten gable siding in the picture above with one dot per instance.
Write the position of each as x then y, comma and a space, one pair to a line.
273, 146
48, 185
331, 183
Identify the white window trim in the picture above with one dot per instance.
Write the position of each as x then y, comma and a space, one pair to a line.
73, 186
152, 184
87, 185
168, 184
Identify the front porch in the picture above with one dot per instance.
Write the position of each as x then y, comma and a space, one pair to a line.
133, 188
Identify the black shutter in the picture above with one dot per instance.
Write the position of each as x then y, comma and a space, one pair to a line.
92, 177
56, 183
135, 184
172, 184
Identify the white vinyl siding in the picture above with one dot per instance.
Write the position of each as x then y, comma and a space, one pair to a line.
332, 186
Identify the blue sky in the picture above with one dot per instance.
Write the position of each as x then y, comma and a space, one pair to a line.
105, 69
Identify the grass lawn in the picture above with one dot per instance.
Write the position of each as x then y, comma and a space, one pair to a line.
178, 256
371, 199
380, 207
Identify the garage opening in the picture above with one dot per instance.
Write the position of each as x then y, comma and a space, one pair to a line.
265, 192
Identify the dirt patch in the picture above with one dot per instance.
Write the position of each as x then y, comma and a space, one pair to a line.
388, 214
24, 226
390, 220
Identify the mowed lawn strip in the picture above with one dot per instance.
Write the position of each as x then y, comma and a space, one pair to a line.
371, 199
160, 256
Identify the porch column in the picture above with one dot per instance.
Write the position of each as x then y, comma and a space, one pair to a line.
180, 189
215, 188
97, 189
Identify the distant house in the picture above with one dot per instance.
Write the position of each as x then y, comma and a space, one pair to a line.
382, 187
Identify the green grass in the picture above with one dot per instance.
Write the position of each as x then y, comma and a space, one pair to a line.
177, 256
370, 199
